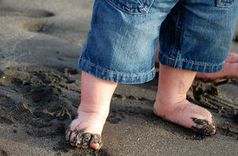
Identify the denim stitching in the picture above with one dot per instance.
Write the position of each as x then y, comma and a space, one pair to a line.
117, 72
85, 65
132, 11
178, 34
178, 30
224, 3
190, 61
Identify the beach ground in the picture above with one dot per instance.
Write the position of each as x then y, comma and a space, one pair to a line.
40, 91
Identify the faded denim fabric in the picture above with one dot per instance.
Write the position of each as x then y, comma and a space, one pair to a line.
193, 34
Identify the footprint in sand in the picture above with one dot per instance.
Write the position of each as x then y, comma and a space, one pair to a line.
213, 96
45, 106
70, 33
9, 11
39, 27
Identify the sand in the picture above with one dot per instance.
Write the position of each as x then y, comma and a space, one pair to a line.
40, 90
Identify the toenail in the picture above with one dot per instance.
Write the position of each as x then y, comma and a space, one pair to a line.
95, 146
96, 142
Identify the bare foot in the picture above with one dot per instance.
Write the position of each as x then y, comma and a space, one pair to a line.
171, 103
187, 115
85, 131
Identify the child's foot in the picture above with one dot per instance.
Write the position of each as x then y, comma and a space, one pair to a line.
85, 131
171, 103
187, 115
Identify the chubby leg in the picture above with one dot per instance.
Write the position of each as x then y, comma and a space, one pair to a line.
85, 131
171, 103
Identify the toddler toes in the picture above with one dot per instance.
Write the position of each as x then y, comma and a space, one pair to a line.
71, 136
96, 142
79, 139
203, 127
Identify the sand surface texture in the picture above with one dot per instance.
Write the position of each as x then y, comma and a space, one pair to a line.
40, 41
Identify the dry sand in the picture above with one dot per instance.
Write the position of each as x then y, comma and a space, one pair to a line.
40, 42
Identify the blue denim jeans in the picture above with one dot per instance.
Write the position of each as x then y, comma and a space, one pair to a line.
193, 35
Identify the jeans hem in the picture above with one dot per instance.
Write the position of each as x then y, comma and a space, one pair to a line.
115, 76
188, 64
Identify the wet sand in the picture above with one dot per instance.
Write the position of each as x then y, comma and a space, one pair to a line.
40, 91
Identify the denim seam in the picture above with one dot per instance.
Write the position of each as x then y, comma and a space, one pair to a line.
119, 6
224, 4
190, 61
178, 31
182, 17
116, 72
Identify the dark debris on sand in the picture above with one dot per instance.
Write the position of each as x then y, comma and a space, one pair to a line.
40, 98
44, 100
207, 95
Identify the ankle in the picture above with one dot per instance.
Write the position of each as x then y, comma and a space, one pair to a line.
171, 100
169, 106
97, 112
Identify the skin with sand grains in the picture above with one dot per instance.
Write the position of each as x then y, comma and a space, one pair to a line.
204, 127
